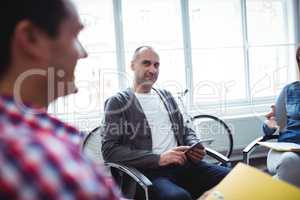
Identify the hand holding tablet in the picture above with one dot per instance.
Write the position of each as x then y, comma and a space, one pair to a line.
196, 145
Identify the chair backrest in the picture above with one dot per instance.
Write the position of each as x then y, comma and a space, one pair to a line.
91, 146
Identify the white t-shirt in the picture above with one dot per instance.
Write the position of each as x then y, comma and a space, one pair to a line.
163, 137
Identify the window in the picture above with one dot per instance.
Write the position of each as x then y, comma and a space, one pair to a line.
96, 76
224, 51
217, 51
150, 23
271, 46
240, 54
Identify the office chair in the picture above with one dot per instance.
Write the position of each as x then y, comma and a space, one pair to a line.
91, 147
253, 145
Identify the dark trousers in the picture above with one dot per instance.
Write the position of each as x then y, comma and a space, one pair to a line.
185, 182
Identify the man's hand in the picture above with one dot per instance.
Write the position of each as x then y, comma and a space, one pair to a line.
271, 120
197, 154
271, 113
173, 156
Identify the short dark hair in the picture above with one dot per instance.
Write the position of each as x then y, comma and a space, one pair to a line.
45, 14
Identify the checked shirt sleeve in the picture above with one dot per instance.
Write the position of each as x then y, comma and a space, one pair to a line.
40, 166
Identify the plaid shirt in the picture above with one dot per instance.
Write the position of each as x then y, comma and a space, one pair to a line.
40, 158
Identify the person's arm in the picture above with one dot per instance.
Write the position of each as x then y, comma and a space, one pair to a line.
277, 116
40, 166
115, 141
280, 111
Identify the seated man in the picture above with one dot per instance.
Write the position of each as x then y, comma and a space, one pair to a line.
39, 155
145, 129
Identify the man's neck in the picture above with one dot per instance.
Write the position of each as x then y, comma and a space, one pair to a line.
26, 92
138, 88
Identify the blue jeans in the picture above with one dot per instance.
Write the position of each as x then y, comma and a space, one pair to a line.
185, 182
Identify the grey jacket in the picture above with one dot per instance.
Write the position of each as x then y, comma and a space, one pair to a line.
127, 136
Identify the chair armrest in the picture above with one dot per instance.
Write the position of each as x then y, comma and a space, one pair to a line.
250, 147
219, 157
269, 137
137, 176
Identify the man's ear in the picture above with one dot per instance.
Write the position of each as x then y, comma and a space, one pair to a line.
31, 40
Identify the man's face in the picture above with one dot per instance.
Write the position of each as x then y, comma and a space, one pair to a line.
146, 67
65, 52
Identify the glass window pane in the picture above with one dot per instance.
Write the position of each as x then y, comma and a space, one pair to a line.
215, 23
269, 69
217, 54
218, 75
267, 22
96, 76
156, 23
172, 74
97, 17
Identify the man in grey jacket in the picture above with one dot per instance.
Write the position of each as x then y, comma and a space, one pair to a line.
144, 128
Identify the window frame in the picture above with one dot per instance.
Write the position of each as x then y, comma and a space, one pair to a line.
293, 16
